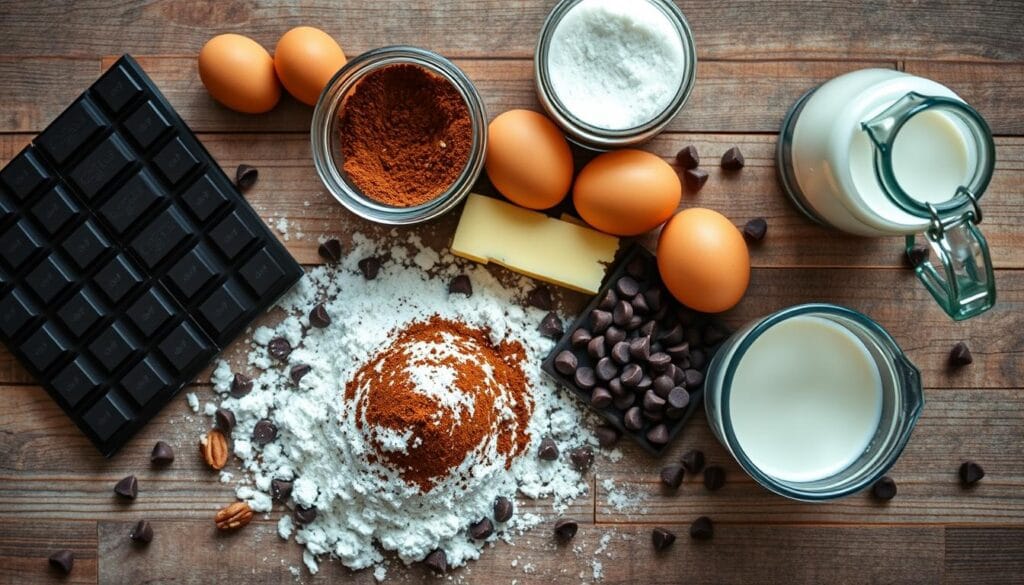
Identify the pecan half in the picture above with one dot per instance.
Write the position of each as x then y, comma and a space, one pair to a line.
233, 516
214, 448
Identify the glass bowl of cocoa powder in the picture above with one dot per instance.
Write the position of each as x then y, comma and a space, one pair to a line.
399, 135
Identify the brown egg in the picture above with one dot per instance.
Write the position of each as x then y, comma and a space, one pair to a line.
626, 192
239, 73
703, 260
306, 58
528, 159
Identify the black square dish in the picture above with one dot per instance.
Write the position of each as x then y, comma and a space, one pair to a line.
635, 351
123, 253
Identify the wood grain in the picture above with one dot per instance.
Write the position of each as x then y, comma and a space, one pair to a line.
984, 556
25, 548
745, 29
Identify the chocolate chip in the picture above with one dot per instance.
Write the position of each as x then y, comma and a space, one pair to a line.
503, 509
640, 348
600, 320
658, 435
565, 529
755, 229
916, 255
620, 353
596, 347
633, 419
653, 298
654, 415
672, 476
162, 454
614, 335
298, 372
659, 361
608, 300
631, 375
714, 478
304, 515
224, 420
606, 369
241, 385
551, 326
127, 487
437, 561
687, 157
580, 338
330, 250
548, 450
245, 177
695, 179
601, 398
702, 529
678, 398
673, 336
693, 461
624, 401
649, 329
960, 355
280, 489
662, 539
584, 378
697, 358
142, 532
637, 267
733, 160
653, 402
627, 286
482, 529
279, 348
884, 489
616, 388
639, 303
622, 314
63, 561
693, 378
970, 473
582, 458
540, 298
370, 267
607, 436
663, 385
460, 285
318, 317
264, 432
566, 362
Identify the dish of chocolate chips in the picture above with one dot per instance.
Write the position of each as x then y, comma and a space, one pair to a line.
637, 356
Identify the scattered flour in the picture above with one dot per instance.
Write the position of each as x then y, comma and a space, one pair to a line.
365, 508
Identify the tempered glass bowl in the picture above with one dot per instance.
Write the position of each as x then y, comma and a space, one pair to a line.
595, 137
325, 138
902, 402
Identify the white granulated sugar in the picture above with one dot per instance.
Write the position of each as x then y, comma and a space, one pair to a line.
616, 64
209, 409
364, 508
282, 227
193, 401
380, 573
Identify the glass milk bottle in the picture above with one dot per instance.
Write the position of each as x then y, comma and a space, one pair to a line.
878, 152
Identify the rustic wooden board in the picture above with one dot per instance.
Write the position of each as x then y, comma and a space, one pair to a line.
984, 555
25, 548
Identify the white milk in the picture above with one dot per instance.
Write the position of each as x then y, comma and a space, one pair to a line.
930, 158
806, 399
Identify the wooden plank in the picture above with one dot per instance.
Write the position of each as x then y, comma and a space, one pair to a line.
35, 89
738, 554
984, 556
509, 28
25, 548
994, 89
983, 425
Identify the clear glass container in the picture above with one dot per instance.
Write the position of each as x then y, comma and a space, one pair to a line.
902, 402
595, 137
325, 137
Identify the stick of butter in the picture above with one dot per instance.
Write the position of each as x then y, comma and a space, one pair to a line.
534, 244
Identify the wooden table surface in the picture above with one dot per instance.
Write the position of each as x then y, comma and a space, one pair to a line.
756, 58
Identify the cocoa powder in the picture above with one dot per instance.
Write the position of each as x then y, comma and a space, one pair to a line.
406, 135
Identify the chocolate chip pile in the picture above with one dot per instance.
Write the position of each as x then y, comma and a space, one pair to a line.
636, 355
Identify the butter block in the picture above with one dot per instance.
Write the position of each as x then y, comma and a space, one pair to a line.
534, 244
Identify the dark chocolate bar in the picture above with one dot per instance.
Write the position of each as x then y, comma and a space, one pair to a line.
128, 259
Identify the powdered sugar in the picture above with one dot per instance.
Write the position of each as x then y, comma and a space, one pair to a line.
359, 500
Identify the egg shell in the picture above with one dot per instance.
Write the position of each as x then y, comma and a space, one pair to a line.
305, 59
528, 160
627, 192
703, 260
239, 73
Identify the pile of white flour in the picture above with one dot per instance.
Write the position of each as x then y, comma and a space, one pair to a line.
365, 509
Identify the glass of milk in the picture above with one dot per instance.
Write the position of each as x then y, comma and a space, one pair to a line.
815, 401
878, 152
